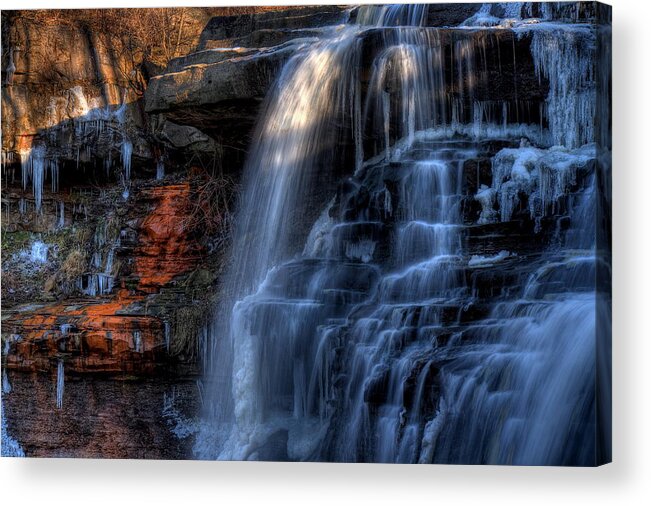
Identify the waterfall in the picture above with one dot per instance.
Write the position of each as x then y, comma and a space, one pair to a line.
291, 146
536, 358
390, 331
392, 15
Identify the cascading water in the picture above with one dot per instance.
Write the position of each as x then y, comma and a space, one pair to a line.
392, 331
290, 148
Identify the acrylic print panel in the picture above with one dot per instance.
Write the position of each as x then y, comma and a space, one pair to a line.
322, 233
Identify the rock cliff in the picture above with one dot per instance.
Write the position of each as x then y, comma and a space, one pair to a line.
122, 152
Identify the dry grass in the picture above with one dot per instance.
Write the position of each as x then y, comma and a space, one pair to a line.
186, 326
213, 205
73, 266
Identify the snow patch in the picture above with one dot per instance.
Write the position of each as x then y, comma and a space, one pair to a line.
477, 260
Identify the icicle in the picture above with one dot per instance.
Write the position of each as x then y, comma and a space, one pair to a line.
25, 166
54, 174
38, 174
160, 169
564, 55
60, 384
512, 9
486, 197
137, 341
126, 152
544, 175
61, 214
108, 162
6, 385
33, 166
168, 335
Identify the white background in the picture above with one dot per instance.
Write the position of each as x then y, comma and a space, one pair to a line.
626, 481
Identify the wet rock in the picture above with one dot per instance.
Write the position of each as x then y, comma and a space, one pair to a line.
222, 29
452, 14
182, 137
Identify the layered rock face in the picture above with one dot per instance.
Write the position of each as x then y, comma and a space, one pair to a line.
84, 220
125, 327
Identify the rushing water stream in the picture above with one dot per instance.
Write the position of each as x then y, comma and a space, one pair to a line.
367, 333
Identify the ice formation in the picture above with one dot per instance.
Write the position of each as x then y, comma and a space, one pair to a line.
60, 385
544, 175
477, 260
38, 252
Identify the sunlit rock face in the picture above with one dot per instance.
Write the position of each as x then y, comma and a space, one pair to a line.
69, 94
165, 247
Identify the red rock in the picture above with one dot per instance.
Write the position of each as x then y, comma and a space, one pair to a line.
166, 248
95, 339
109, 336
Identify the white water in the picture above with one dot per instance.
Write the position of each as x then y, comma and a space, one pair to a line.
367, 342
